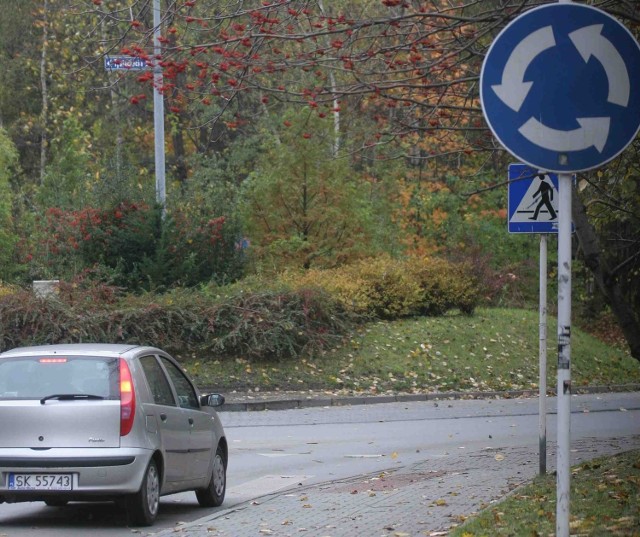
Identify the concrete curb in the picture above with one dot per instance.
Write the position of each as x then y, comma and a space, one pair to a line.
289, 403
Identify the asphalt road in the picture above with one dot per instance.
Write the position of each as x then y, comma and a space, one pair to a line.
281, 450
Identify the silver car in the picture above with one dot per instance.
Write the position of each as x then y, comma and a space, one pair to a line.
106, 422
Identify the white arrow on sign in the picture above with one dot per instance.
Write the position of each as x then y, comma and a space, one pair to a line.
593, 131
514, 90
589, 41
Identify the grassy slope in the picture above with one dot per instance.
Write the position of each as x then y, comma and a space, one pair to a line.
495, 349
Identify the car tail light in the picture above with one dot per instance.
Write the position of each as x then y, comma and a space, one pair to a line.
127, 399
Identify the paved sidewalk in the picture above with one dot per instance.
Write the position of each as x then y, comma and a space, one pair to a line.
425, 499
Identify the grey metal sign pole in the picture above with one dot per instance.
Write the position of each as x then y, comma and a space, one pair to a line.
564, 355
542, 351
158, 109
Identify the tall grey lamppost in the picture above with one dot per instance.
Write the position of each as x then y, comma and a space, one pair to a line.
158, 110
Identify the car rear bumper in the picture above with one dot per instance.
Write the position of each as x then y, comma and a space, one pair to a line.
102, 474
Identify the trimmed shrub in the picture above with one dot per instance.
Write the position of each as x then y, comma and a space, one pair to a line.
258, 325
385, 288
444, 285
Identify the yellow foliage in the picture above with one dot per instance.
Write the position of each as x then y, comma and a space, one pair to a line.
6, 289
389, 288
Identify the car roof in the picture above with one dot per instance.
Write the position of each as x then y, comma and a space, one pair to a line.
78, 349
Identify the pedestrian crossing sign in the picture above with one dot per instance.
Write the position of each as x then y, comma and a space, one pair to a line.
533, 200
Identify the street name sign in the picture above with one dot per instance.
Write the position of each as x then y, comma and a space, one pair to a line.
124, 63
560, 87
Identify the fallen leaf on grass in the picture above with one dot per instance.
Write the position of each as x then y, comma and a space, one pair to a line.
499, 457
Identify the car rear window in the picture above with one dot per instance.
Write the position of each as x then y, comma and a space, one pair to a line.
35, 377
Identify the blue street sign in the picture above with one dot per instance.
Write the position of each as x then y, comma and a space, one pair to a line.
125, 63
533, 200
560, 87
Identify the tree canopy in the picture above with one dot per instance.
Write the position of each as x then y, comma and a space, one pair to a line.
330, 130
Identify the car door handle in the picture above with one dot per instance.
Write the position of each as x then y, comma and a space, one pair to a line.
163, 417
190, 421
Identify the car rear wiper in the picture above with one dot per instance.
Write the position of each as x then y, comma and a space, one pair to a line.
70, 397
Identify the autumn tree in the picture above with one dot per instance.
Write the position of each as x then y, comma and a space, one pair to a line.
304, 206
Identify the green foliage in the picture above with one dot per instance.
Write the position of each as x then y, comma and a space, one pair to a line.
203, 237
259, 325
388, 289
8, 238
67, 181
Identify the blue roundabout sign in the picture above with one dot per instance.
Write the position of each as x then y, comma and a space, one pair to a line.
560, 87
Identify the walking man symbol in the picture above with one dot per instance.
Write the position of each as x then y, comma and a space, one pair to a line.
545, 191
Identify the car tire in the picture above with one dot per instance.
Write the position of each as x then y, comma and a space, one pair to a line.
142, 507
56, 503
213, 495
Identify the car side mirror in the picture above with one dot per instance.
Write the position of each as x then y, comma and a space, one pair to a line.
214, 399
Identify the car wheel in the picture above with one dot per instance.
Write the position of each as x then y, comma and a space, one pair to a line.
56, 503
143, 506
213, 495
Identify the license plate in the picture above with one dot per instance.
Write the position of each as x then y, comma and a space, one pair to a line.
40, 482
